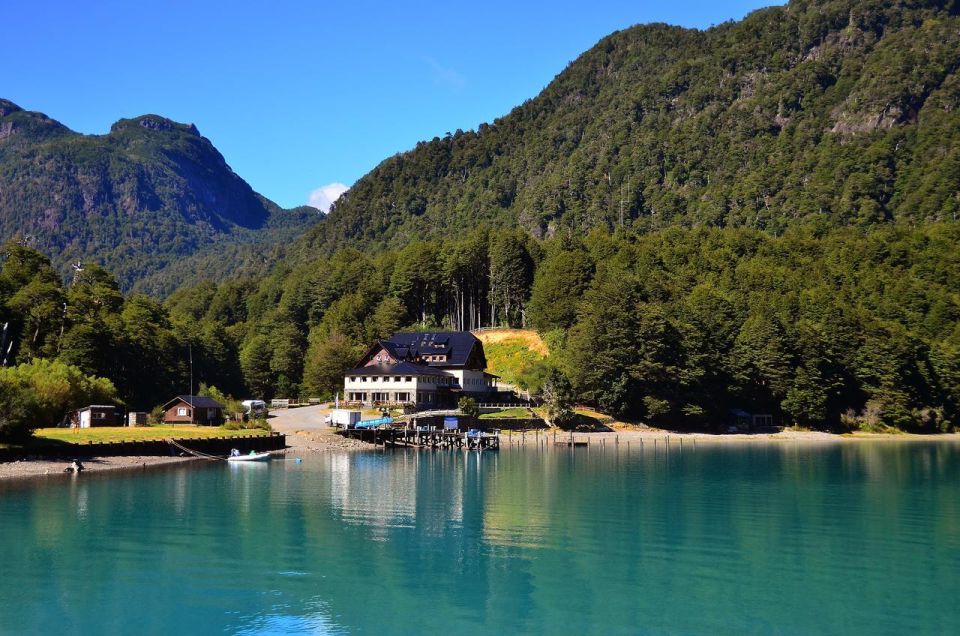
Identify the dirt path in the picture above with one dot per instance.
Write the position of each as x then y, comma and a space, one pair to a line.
306, 431
305, 418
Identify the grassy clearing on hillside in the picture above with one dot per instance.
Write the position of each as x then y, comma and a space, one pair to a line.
513, 354
139, 433
530, 337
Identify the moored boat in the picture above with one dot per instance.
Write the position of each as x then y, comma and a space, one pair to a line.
250, 457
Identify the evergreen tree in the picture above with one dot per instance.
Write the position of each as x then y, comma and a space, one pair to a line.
561, 278
511, 274
328, 357
255, 362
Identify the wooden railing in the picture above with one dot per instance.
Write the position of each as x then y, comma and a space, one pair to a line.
504, 405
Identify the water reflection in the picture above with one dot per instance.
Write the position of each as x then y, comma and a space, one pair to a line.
405, 489
367, 489
719, 537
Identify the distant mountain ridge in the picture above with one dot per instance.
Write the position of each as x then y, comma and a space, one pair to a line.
842, 112
153, 200
832, 112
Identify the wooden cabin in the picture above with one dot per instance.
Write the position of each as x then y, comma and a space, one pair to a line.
193, 409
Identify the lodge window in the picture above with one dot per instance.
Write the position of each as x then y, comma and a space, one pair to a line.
182, 411
396, 379
408, 379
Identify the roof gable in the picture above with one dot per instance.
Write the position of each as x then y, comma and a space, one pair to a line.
196, 401
455, 346
381, 353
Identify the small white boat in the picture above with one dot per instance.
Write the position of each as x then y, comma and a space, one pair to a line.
250, 457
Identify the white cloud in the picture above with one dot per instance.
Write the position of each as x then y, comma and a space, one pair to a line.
324, 196
444, 75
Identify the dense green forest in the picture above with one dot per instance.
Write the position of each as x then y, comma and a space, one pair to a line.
152, 200
844, 110
824, 327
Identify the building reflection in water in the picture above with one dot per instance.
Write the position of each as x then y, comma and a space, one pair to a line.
427, 490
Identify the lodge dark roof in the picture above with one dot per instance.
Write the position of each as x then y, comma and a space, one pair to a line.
198, 401
401, 368
455, 345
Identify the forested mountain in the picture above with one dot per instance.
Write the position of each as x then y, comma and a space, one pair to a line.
759, 216
152, 200
841, 109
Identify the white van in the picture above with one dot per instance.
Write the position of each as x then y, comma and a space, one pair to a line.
255, 408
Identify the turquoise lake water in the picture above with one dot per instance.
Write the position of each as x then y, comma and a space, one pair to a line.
784, 537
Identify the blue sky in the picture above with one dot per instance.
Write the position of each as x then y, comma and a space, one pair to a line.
298, 95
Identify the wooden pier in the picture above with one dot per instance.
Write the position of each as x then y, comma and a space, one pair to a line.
424, 438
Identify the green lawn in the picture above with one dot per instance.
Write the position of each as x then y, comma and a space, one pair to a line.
515, 413
138, 433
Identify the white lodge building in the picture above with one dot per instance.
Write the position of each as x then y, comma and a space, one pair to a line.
426, 370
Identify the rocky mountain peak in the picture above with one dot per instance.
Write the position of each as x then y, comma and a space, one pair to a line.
7, 107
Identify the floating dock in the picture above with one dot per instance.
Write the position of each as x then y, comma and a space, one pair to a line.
415, 438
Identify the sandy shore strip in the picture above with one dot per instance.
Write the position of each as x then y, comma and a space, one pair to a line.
50, 467
657, 436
